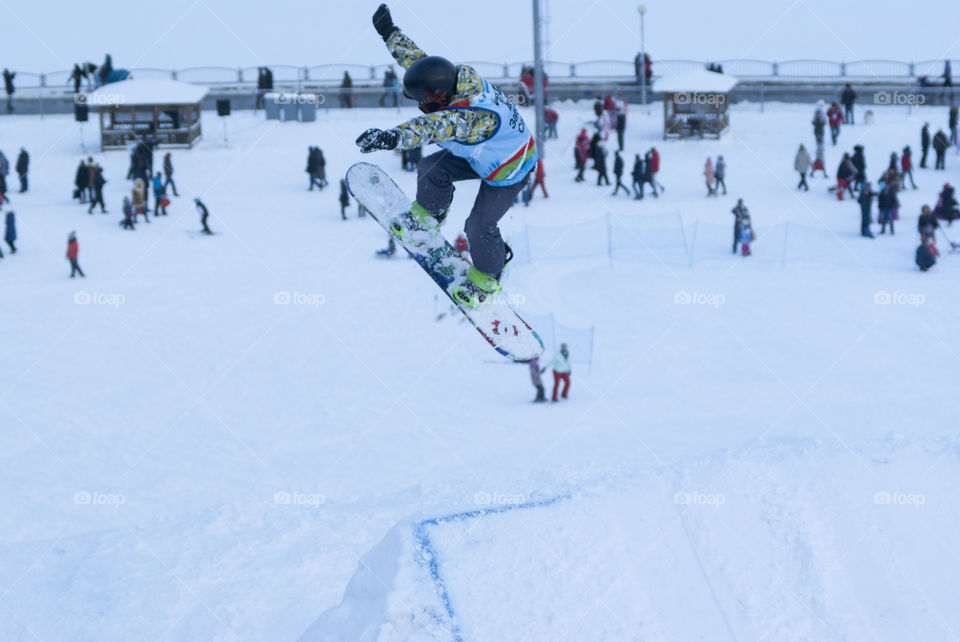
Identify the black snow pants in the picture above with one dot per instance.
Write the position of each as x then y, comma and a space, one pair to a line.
436, 175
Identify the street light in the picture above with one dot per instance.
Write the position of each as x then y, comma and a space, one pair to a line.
642, 9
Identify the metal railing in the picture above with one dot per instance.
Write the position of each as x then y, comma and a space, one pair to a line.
332, 74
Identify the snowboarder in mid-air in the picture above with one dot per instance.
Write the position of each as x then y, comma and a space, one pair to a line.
483, 138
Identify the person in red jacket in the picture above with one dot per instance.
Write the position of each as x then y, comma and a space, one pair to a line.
835, 118
906, 167
582, 153
655, 168
550, 118
73, 251
538, 180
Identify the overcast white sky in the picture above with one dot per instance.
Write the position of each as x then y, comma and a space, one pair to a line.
49, 35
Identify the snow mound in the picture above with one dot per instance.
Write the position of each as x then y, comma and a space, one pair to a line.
795, 541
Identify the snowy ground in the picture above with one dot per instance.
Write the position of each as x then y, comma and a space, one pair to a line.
184, 458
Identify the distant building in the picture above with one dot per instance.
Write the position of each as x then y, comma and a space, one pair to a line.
164, 110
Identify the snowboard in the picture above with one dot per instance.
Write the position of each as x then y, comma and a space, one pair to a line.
494, 319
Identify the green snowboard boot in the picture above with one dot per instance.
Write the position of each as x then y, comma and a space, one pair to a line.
417, 219
475, 289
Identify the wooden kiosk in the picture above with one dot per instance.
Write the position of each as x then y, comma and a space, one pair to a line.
695, 103
164, 110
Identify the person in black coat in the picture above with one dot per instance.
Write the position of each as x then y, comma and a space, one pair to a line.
924, 144
845, 175
23, 165
312, 168
866, 203
927, 223
346, 91
599, 155
77, 77
952, 120
621, 123
8, 77
847, 98
98, 182
886, 203
204, 215
81, 180
344, 199
860, 163
940, 146
168, 174
947, 205
618, 174
638, 176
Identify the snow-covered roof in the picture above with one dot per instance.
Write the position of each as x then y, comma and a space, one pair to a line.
695, 80
148, 92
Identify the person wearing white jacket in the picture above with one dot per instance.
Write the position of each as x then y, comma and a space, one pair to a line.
802, 163
561, 371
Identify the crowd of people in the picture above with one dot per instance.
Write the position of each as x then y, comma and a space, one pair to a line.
851, 175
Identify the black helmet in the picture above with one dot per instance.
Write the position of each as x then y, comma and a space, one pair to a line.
432, 79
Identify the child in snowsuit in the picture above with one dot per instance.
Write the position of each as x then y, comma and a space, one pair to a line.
746, 234
739, 212
801, 163
482, 136
128, 215
159, 196
820, 161
139, 199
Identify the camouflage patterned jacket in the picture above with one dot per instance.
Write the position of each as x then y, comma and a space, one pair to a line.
465, 125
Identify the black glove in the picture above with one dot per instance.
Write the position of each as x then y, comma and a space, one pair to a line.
374, 139
383, 22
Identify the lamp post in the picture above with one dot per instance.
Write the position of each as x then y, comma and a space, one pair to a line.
642, 9
538, 78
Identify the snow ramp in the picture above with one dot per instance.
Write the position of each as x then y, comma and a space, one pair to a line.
785, 542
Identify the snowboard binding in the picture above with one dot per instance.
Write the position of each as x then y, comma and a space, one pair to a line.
416, 219
475, 289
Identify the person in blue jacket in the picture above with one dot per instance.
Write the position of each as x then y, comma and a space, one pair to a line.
159, 196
